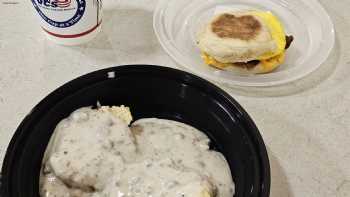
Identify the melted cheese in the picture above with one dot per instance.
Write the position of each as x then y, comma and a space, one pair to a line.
213, 62
272, 63
266, 65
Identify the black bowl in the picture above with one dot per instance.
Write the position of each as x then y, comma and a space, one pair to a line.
150, 91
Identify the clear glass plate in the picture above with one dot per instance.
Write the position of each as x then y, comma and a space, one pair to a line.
177, 22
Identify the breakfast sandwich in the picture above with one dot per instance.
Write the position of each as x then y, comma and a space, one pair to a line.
248, 42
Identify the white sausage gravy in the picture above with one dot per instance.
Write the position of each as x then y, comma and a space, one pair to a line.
94, 153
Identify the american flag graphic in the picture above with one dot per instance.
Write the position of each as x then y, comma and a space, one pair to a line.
63, 3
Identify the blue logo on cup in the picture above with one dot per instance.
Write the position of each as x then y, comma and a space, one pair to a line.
60, 6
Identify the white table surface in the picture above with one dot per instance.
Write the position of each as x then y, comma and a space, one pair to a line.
306, 124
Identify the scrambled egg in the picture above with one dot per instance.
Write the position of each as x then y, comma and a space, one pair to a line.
206, 193
270, 60
120, 112
277, 32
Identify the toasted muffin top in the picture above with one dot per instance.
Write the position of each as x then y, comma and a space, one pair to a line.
244, 27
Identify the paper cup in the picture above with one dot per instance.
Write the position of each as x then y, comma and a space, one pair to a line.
69, 22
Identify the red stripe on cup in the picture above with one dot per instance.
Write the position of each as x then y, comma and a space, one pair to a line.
73, 35
63, 3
